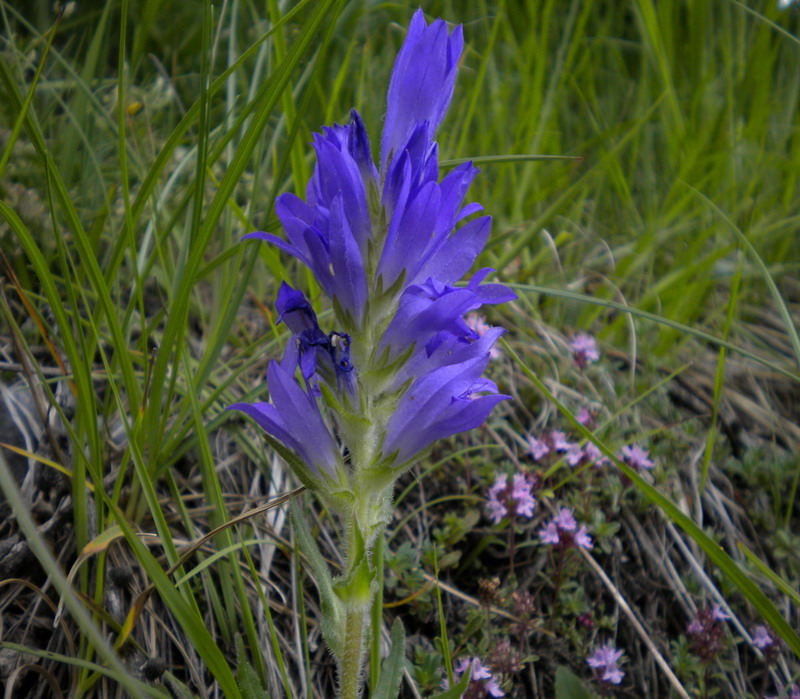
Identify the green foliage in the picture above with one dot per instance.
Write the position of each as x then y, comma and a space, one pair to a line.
246, 676
568, 686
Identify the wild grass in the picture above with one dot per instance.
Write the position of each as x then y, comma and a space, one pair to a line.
140, 140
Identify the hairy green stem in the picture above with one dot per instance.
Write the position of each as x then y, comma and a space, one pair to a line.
356, 622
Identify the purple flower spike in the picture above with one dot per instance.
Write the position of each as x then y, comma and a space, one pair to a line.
538, 448
559, 441
583, 539
564, 520
422, 82
563, 532
401, 367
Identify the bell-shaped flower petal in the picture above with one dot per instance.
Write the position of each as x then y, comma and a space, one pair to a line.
457, 254
349, 279
429, 308
337, 174
292, 416
448, 400
422, 81
445, 349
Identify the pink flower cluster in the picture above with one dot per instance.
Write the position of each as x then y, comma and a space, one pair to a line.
556, 442
584, 350
482, 683
763, 638
604, 660
563, 531
511, 498
706, 633
636, 457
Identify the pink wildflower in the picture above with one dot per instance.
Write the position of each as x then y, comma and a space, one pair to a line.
762, 638
706, 633
561, 532
549, 534
517, 498
559, 441
574, 455
719, 614
584, 349
522, 493
564, 520
538, 448
482, 683
583, 539
592, 455
604, 661
636, 457
584, 416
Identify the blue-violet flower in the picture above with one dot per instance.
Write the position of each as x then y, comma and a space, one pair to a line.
401, 367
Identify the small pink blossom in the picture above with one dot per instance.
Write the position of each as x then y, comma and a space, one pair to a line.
719, 614
574, 455
561, 532
549, 534
584, 349
605, 660
583, 539
584, 417
762, 638
706, 633
522, 493
564, 520
636, 457
559, 441
694, 628
538, 448
482, 683
593, 455
517, 498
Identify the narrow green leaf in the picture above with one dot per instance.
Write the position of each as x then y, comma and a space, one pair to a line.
785, 587
719, 378
457, 690
246, 676
393, 665
333, 614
